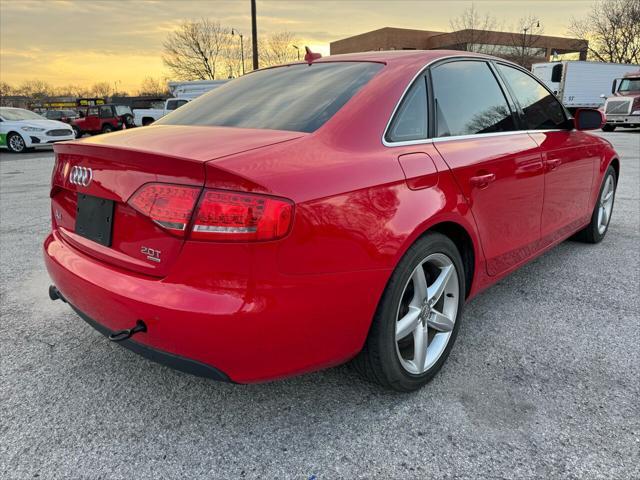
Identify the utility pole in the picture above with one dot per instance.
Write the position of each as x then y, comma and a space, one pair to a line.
254, 34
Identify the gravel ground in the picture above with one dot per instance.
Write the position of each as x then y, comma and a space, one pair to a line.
542, 383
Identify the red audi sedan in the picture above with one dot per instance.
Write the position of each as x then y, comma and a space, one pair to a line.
316, 213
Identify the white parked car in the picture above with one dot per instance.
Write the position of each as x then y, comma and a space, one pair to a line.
22, 129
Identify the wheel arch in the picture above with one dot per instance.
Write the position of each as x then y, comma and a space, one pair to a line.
615, 163
464, 243
462, 235
16, 132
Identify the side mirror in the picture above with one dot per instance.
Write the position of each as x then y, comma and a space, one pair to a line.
589, 119
613, 85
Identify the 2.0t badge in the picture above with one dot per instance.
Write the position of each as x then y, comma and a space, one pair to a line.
81, 176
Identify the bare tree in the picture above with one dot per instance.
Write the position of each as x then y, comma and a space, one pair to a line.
72, 91
472, 31
5, 89
153, 87
278, 48
612, 29
193, 50
525, 41
101, 89
36, 89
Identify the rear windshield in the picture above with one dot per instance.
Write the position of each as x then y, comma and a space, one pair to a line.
298, 98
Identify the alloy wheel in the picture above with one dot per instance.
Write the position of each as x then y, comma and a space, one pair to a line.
427, 313
16, 143
605, 204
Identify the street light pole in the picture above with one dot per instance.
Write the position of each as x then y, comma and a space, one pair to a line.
254, 35
233, 32
524, 44
524, 38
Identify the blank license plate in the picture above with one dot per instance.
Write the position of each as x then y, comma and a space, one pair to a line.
94, 219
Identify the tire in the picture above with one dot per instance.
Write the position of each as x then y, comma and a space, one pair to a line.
127, 120
601, 216
607, 127
77, 132
107, 128
15, 143
147, 121
392, 363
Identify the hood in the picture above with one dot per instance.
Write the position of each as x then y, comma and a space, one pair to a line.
191, 142
44, 123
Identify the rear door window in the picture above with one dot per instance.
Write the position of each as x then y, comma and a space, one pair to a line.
540, 108
410, 123
468, 100
298, 97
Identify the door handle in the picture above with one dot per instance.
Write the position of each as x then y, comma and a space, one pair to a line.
482, 181
554, 163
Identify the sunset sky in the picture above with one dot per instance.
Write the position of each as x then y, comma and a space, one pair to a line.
86, 41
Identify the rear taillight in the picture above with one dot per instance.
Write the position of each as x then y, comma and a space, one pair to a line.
235, 216
170, 206
221, 215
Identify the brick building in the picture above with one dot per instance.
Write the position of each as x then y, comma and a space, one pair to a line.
523, 47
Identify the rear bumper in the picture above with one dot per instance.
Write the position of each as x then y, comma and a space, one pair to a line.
251, 329
164, 358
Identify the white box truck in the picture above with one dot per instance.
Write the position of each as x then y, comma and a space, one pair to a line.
581, 84
195, 88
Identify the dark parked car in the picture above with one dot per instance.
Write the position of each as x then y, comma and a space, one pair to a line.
66, 116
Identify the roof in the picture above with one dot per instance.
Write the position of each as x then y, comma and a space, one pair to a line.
400, 56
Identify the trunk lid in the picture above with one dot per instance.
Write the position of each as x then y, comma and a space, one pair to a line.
121, 163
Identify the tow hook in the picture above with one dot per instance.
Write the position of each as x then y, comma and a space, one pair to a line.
54, 294
129, 332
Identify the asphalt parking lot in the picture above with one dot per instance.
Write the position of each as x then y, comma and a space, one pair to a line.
544, 380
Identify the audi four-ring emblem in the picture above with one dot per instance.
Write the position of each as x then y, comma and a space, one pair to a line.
81, 176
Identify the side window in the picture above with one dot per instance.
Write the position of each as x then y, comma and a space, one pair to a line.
105, 112
179, 103
556, 73
172, 104
541, 109
469, 100
92, 112
410, 122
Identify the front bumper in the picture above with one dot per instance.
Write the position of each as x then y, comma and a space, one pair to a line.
252, 330
35, 139
624, 120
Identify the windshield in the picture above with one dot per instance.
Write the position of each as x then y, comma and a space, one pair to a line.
16, 114
297, 97
630, 85
123, 110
